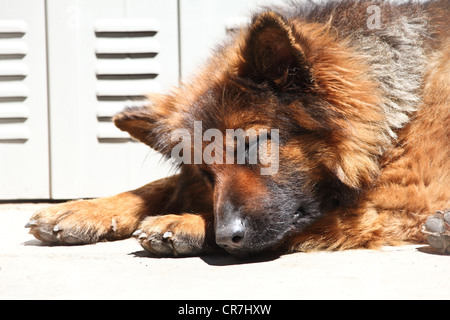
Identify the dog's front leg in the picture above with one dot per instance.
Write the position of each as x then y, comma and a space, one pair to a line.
112, 218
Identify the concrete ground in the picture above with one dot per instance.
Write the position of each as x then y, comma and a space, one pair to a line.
122, 270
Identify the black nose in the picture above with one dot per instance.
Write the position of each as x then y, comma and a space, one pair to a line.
231, 235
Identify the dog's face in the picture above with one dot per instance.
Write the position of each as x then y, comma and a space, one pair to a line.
267, 192
255, 212
302, 153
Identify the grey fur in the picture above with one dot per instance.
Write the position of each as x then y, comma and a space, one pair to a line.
398, 61
395, 51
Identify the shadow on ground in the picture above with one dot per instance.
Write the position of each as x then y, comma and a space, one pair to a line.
218, 260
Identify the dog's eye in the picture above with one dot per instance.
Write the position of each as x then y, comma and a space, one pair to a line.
252, 148
300, 212
207, 176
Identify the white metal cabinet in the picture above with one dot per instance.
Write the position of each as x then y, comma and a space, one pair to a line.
24, 166
104, 55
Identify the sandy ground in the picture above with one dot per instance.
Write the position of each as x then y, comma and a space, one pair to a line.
122, 270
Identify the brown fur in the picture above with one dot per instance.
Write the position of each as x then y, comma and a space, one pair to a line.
413, 181
355, 186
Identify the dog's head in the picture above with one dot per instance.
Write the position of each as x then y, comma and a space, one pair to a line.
282, 124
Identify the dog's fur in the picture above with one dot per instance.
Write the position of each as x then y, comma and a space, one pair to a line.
364, 120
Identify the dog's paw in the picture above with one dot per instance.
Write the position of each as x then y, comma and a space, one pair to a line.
77, 222
437, 227
175, 235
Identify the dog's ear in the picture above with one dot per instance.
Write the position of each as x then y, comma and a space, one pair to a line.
273, 52
137, 121
150, 124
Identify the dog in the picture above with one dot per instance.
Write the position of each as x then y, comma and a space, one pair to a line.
346, 105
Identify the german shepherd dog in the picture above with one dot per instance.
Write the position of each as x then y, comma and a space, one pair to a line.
358, 94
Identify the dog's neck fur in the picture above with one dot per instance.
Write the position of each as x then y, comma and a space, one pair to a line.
394, 49
397, 60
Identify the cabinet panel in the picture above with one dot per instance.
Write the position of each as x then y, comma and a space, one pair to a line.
24, 167
105, 55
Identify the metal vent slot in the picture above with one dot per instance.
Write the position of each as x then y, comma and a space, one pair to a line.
124, 46
127, 68
12, 49
13, 130
13, 89
13, 71
13, 110
116, 27
107, 110
13, 27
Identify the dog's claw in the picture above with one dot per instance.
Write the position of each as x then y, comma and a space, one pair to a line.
142, 235
437, 229
136, 233
167, 235
113, 225
447, 218
31, 223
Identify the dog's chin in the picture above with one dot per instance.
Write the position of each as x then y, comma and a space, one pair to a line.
253, 251
240, 253
254, 256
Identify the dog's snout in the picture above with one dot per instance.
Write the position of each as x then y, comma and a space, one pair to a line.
230, 236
